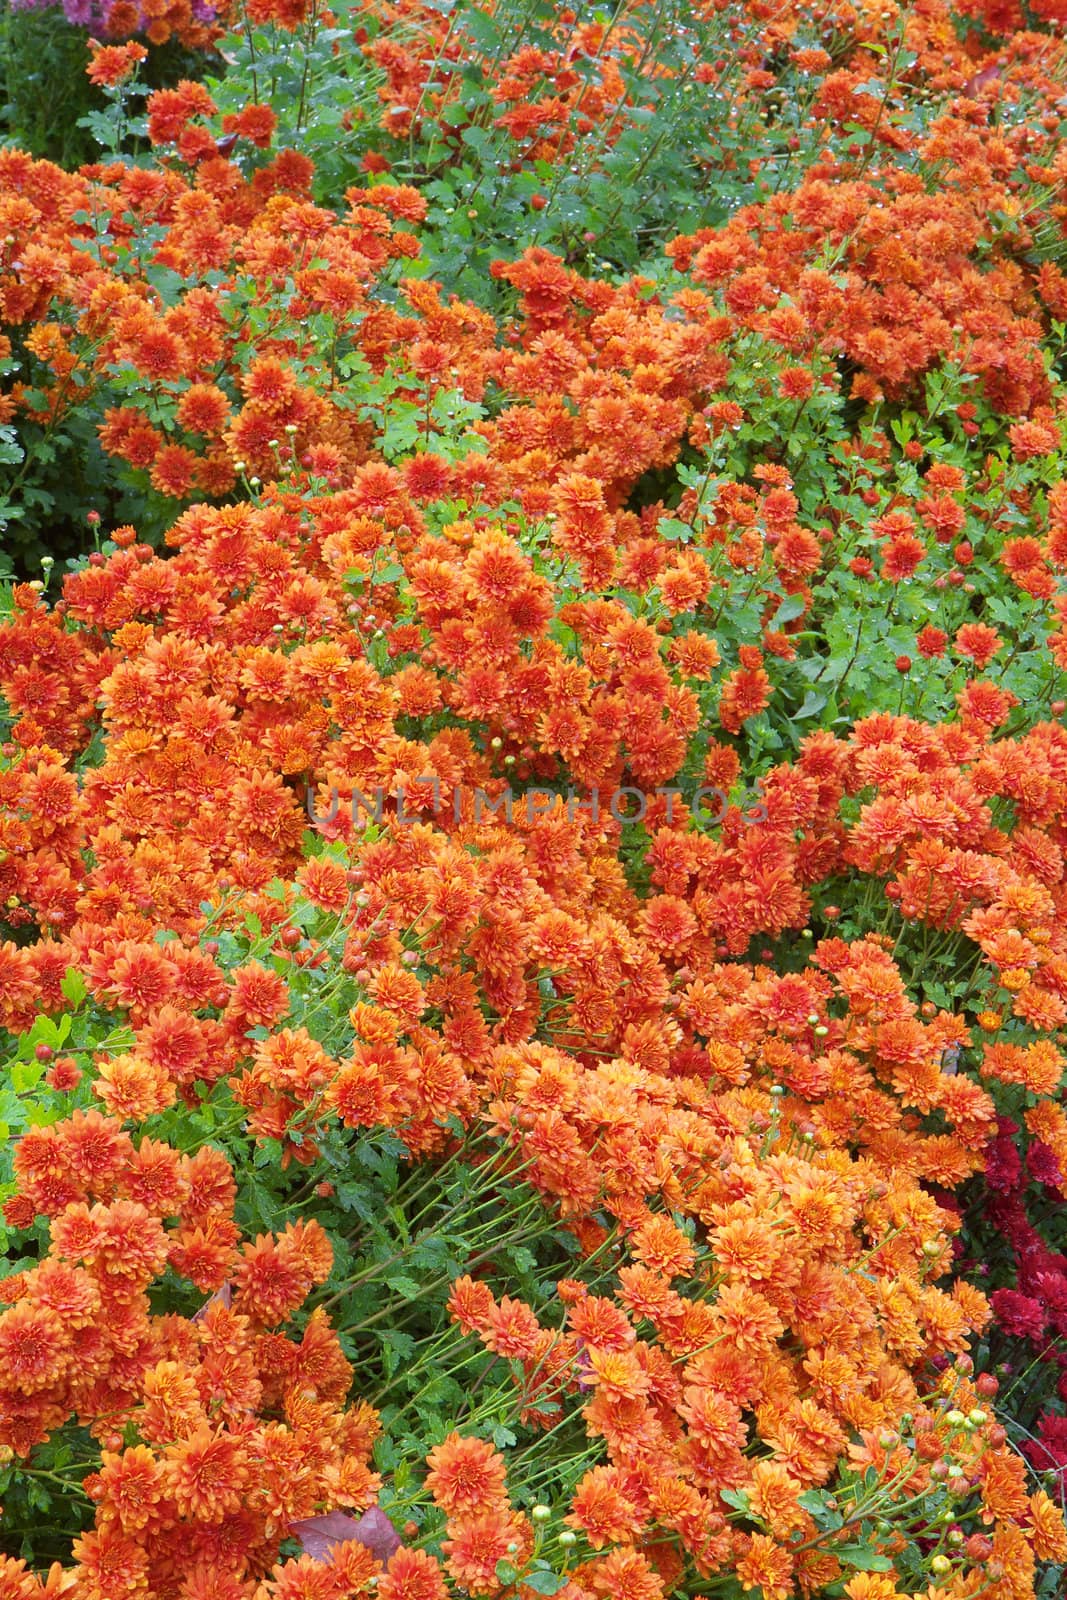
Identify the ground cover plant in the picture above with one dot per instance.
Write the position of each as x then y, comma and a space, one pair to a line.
533, 803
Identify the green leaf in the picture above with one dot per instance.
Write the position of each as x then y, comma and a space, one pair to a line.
479, 140
671, 528
863, 1556
357, 1197
814, 1500
823, 1508
737, 1498
507, 1572
812, 703
482, 29
792, 607
73, 987
544, 1582
398, 1347
25, 1075
407, 1288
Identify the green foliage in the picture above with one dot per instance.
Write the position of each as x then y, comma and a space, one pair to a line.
48, 107
614, 181
44, 93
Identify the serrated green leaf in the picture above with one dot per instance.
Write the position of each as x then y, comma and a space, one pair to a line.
813, 1500
544, 1582
862, 1556
737, 1498
25, 1075
73, 987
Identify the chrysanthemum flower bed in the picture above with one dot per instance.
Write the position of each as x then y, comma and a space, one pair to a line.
533, 822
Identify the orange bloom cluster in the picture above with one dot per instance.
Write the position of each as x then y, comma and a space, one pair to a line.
576, 81
242, 1428
775, 1299
258, 660
218, 399
454, 650
859, 259
805, 1212
908, 290
466, 1480
239, 669
823, 1306
613, 378
160, 21
545, 99
630, 371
